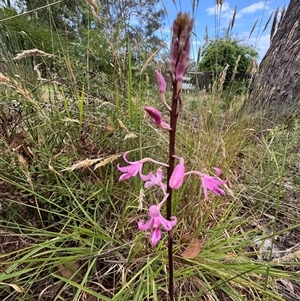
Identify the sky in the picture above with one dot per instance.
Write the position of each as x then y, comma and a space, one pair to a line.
216, 20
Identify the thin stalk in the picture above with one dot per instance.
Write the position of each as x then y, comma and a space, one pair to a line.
129, 86
173, 121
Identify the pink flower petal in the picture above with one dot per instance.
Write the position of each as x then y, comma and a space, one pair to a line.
145, 177
154, 211
168, 225
155, 180
154, 114
125, 177
129, 171
218, 171
177, 176
161, 82
165, 126
125, 158
159, 175
145, 226
212, 184
155, 236
204, 190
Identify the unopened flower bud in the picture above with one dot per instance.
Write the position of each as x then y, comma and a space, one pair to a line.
157, 118
161, 82
177, 176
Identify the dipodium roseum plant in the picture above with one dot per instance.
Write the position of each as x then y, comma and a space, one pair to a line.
179, 62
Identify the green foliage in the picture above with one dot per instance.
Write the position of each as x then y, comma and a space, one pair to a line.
66, 16
87, 53
138, 19
218, 53
24, 31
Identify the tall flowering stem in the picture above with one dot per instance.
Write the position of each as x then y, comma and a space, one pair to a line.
179, 62
173, 122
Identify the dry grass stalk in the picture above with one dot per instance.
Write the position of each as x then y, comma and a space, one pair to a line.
130, 136
235, 67
282, 14
268, 21
95, 9
222, 78
39, 74
31, 11
70, 70
107, 160
252, 29
254, 67
287, 258
31, 52
194, 6
141, 199
13, 84
206, 36
231, 24
14, 286
83, 164
5, 81
148, 61
274, 23
122, 125
24, 166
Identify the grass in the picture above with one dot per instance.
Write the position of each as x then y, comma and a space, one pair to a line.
69, 228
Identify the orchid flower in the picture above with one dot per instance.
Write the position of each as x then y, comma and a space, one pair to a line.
157, 118
211, 183
156, 221
156, 180
177, 176
135, 168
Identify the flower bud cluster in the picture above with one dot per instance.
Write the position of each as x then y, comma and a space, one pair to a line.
180, 48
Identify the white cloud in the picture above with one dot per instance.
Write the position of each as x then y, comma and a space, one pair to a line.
253, 8
226, 12
196, 43
213, 10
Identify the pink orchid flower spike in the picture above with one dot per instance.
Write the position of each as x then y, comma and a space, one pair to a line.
157, 118
177, 176
132, 169
156, 221
212, 183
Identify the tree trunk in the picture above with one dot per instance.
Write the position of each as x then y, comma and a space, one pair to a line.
275, 90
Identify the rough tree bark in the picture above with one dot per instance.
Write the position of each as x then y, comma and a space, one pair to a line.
275, 89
